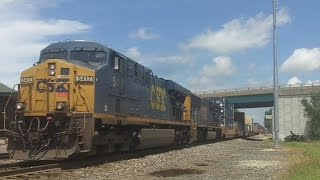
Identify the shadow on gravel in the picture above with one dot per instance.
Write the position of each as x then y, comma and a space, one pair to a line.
120, 156
175, 172
83, 162
201, 164
256, 139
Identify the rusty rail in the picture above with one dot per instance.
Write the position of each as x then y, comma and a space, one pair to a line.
4, 155
28, 172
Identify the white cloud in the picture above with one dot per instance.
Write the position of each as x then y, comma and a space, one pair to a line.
133, 53
143, 34
221, 66
213, 74
302, 60
238, 34
314, 82
23, 34
15, 9
294, 81
171, 66
174, 59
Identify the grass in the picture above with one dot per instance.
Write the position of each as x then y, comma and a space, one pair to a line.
305, 160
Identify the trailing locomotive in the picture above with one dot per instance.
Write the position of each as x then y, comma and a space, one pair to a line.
85, 98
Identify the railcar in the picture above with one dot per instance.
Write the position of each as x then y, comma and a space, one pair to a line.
84, 98
239, 118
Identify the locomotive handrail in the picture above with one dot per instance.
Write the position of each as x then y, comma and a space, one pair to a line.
4, 113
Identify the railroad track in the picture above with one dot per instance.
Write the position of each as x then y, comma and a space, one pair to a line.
28, 172
4, 156
37, 169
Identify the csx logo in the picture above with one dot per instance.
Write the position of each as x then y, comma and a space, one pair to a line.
84, 79
48, 85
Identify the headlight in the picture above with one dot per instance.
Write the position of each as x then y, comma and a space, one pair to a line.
52, 69
61, 106
52, 72
20, 106
52, 66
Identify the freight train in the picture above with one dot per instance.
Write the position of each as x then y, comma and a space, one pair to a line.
84, 98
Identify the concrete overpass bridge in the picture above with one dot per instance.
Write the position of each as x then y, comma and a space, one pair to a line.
291, 111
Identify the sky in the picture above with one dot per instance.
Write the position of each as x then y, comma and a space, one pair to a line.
201, 44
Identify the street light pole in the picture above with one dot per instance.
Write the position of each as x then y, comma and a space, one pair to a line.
275, 77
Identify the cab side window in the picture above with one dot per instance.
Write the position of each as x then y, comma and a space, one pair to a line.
116, 63
116, 66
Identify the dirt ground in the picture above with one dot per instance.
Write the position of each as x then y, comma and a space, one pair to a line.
233, 159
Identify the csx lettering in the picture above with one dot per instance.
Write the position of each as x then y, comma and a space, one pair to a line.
26, 79
84, 79
158, 96
47, 85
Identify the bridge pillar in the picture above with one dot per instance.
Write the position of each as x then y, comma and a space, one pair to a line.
291, 115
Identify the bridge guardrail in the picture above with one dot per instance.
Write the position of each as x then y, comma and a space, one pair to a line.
256, 88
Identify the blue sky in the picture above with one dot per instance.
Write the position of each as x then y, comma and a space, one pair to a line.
203, 44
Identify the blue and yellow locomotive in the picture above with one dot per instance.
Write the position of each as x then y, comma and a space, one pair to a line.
85, 98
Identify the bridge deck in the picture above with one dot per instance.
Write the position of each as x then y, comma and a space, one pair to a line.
259, 96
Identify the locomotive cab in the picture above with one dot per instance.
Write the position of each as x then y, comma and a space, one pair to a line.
56, 102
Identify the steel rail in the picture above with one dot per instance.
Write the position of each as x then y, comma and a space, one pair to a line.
4, 155
21, 172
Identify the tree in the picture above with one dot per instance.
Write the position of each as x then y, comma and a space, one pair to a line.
312, 112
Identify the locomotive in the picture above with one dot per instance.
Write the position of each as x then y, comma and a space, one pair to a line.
84, 98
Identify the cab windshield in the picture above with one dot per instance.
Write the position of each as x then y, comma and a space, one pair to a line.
88, 56
54, 55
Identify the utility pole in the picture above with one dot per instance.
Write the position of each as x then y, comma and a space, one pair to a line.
275, 77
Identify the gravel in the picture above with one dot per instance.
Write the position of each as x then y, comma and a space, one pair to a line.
3, 149
233, 159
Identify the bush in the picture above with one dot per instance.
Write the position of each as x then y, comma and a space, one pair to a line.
312, 112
